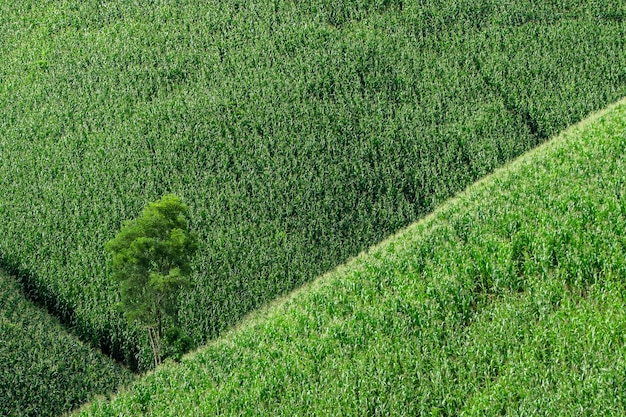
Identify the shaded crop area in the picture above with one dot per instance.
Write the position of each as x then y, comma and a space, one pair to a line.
299, 133
508, 300
45, 371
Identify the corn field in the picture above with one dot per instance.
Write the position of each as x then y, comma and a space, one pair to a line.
45, 371
299, 133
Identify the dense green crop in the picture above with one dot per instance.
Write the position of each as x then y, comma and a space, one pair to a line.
508, 300
299, 132
44, 371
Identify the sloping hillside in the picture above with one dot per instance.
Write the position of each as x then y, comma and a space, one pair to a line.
299, 133
44, 370
507, 300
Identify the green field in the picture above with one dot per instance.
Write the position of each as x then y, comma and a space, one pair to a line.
299, 133
45, 371
507, 300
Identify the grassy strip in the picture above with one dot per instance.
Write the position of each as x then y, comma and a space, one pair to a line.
298, 141
44, 371
462, 313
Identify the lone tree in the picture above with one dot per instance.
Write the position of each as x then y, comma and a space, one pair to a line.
151, 257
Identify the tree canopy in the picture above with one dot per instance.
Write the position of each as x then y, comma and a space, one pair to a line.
151, 260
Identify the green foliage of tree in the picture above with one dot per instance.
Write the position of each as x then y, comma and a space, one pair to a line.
151, 261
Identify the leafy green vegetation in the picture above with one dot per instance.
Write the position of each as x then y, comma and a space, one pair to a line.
44, 371
299, 133
507, 300
150, 260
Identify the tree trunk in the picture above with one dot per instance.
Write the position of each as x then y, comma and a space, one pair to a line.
160, 321
155, 343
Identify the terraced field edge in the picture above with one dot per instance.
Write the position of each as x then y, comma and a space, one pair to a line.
506, 300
